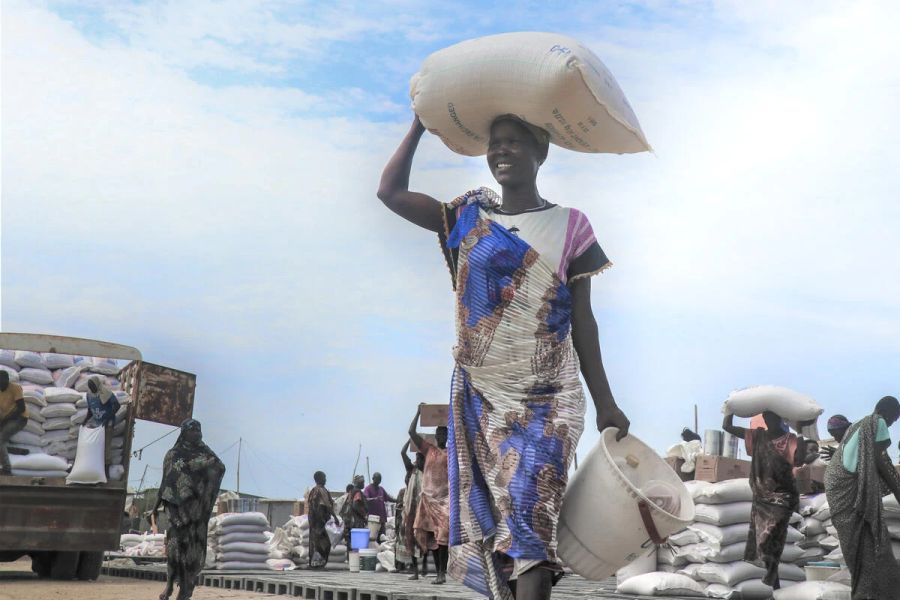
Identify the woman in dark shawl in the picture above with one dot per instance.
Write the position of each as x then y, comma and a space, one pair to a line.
357, 513
192, 474
857, 477
321, 509
775, 453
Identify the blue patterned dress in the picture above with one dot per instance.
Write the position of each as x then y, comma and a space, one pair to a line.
517, 404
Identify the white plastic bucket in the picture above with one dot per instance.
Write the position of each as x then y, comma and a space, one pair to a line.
353, 561
606, 520
374, 527
367, 560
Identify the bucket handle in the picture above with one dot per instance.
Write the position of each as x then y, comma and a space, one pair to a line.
649, 525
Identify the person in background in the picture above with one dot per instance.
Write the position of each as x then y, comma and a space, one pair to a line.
320, 510
688, 435
857, 477
837, 427
192, 474
342, 504
775, 452
102, 408
356, 513
376, 496
13, 417
432, 526
400, 553
406, 531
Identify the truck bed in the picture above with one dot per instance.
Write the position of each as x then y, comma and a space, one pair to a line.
53, 516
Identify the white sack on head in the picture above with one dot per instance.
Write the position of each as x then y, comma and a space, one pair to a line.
546, 79
786, 403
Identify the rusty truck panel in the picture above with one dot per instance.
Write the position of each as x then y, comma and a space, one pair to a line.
166, 395
59, 517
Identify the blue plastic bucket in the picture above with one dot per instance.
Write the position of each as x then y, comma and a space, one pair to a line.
359, 539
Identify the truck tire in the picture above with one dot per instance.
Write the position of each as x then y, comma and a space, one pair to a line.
64, 566
89, 566
41, 563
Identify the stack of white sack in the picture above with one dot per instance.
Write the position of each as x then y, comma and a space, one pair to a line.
38, 465
129, 540
386, 547
711, 550
815, 590
238, 541
279, 550
821, 536
55, 391
152, 544
297, 532
819, 541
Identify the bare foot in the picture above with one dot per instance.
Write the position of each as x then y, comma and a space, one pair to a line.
441, 578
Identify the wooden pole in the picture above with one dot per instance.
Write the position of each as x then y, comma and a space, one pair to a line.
696, 421
356, 464
240, 443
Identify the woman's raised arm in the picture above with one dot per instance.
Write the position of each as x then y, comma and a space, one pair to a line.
393, 191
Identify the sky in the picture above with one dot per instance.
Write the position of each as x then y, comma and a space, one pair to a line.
197, 180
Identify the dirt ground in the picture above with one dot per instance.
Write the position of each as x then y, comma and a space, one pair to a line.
18, 583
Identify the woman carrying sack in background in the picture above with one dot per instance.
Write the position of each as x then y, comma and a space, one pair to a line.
775, 453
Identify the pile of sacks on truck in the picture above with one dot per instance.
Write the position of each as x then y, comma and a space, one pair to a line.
55, 390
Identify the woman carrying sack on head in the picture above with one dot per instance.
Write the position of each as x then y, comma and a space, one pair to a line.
521, 267
775, 453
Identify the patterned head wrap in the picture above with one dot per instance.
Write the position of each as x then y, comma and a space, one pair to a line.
838, 422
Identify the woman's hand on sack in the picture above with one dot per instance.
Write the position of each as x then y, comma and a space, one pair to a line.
417, 125
613, 416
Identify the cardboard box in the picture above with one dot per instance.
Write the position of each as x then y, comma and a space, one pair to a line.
676, 463
434, 415
720, 468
